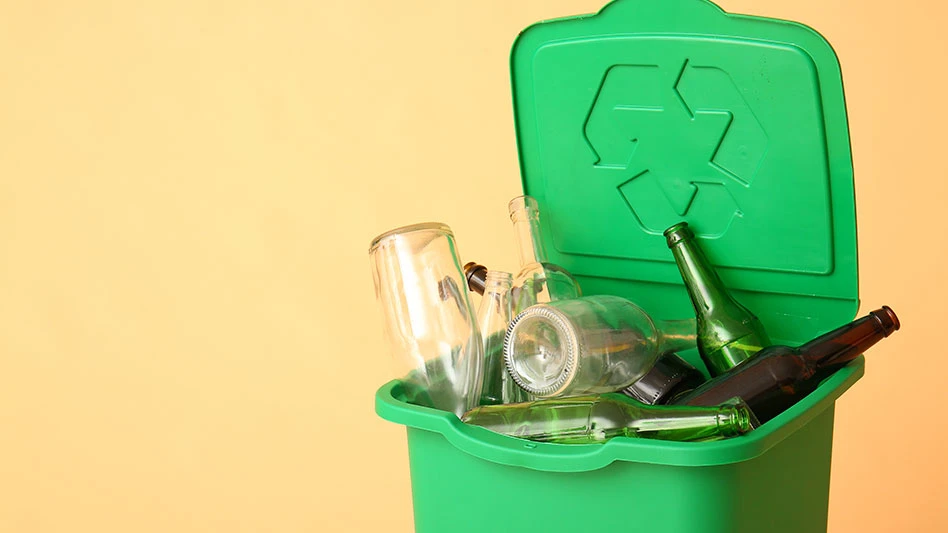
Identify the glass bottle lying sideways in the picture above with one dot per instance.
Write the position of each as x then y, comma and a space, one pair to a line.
777, 377
668, 377
590, 345
596, 419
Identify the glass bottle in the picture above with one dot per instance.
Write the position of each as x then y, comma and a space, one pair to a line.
493, 315
588, 345
476, 276
728, 333
538, 281
427, 316
671, 376
778, 376
596, 419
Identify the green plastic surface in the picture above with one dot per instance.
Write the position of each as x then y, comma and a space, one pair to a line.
657, 111
648, 113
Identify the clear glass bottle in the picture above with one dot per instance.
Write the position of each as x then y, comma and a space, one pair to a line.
596, 419
589, 345
538, 281
493, 316
427, 316
728, 333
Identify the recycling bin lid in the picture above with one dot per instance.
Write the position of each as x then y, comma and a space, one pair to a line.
656, 111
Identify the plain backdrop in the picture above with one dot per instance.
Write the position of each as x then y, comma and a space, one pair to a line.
187, 192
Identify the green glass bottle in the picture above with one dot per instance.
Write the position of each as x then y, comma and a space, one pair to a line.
728, 333
596, 419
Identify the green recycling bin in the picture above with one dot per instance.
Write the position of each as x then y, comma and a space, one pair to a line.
628, 121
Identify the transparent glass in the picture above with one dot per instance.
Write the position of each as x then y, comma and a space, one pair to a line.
588, 345
596, 419
538, 281
493, 316
427, 318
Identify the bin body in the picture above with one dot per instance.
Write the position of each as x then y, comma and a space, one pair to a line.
628, 121
457, 492
774, 479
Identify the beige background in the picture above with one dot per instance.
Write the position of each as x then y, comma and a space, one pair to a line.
187, 191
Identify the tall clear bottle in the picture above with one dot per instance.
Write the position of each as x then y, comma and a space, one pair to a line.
728, 333
538, 281
493, 315
596, 419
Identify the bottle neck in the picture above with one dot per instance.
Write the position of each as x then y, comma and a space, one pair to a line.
845, 343
702, 281
525, 215
476, 276
677, 335
691, 423
497, 284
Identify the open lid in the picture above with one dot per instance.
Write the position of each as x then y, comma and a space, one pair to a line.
656, 111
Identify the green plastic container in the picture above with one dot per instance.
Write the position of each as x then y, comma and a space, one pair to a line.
645, 114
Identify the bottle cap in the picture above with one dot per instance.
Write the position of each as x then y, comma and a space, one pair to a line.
670, 377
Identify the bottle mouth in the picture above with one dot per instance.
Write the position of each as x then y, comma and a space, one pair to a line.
889, 320
678, 233
540, 351
437, 228
523, 208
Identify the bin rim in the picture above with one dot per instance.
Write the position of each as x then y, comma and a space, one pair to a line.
511, 451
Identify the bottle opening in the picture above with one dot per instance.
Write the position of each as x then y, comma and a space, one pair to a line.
678, 233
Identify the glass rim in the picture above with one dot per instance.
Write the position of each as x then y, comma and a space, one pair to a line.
439, 227
560, 323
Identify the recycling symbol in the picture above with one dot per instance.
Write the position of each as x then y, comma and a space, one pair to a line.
684, 134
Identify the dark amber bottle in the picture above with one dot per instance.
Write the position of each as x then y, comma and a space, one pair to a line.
778, 376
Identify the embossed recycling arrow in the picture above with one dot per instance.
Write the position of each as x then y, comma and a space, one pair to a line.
684, 134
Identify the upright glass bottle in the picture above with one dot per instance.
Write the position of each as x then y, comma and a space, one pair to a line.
493, 315
596, 419
538, 281
778, 376
728, 333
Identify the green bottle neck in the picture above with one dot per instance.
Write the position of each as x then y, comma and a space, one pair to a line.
658, 421
525, 215
705, 287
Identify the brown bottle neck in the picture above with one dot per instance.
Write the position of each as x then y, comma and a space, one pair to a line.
845, 343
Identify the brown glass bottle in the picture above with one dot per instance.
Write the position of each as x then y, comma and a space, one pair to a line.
778, 376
